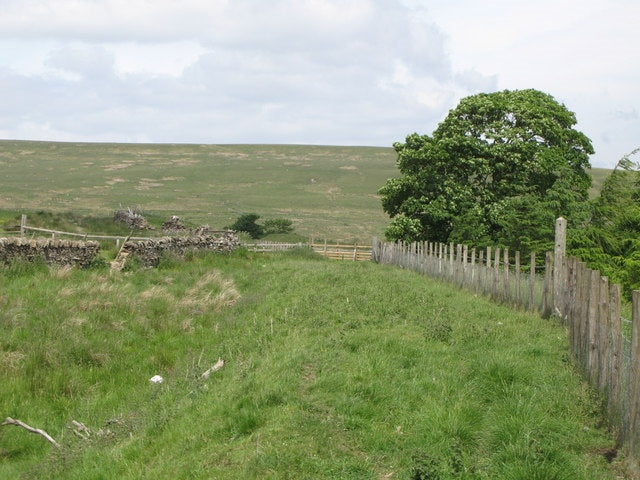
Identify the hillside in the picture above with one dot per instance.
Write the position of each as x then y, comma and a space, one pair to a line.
331, 370
328, 192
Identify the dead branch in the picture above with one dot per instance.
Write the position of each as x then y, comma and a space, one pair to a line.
18, 423
218, 365
80, 429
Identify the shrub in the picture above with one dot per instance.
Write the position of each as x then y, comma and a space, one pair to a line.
247, 223
277, 225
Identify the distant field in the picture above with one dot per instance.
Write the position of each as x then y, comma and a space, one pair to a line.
329, 192
598, 175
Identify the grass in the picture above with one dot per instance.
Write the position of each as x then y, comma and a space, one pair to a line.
333, 370
328, 192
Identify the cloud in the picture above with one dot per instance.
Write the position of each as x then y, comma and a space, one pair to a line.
306, 71
312, 71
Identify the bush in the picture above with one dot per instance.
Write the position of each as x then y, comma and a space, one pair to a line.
277, 225
247, 223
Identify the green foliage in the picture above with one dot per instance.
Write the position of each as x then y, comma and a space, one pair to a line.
611, 242
498, 168
247, 223
277, 225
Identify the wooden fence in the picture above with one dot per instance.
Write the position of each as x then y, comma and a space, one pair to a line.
24, 228
607, 354
334, 251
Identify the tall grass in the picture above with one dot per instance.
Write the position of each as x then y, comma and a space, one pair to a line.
333, 370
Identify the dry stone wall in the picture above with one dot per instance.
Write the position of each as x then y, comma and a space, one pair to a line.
150, 251
53, 252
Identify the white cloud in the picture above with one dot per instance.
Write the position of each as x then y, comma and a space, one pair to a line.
307, 71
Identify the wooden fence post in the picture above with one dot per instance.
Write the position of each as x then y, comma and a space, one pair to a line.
604, 326
583, 316
547, 291
615, 389
506, 286
496, 274
593, 352
23, 224
558, 266
634, 377
518, 295
532, 281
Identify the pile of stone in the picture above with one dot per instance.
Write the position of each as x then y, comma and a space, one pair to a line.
53, 252
175, 226
132, 219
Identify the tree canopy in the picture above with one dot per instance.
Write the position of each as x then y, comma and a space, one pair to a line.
498, 170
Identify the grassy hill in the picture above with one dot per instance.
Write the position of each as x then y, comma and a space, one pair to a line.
328, 192
332, 370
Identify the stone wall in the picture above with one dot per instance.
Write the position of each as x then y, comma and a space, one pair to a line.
150, 251
53, 252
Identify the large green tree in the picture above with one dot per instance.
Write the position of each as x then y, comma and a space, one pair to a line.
499, 169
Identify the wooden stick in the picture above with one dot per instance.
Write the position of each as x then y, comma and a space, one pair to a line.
18, 423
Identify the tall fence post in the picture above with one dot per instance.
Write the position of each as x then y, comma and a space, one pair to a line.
558, 267
23, 224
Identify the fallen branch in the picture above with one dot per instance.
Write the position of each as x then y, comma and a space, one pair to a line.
18, 423
218, 365
80, 429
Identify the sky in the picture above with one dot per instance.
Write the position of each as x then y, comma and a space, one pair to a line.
324, 72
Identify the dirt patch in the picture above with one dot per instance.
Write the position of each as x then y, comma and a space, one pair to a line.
118, 166
116, 180
148, 183
349, 167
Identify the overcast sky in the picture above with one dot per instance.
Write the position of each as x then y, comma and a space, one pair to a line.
349, 72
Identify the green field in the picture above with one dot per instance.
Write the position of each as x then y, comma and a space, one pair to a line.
328, 192
333, 370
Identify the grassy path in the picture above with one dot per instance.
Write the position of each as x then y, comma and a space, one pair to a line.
333, 370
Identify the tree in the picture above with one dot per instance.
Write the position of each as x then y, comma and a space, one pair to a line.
495, 170
277, 225
247, 223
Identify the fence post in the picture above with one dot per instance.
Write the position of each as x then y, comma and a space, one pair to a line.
615, 389
558, 266
518, 292
593, 353
23, 223
604, 326
506, 286
496, 274
547, 291
532, 281
634, 377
